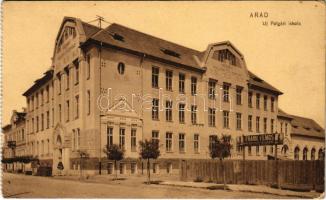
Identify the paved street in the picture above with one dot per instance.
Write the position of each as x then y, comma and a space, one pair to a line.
18, 186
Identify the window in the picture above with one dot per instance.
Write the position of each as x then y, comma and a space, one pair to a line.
265, 102
312, 154
284, 150
250, 123
155, 109
78, 139
42, 97
226, 55
272, 104
257, 150
239, 98
109, 136
286, 129
238, 121
271, 150
226, 119
182, 113
304, 154
133, 168
88, 67
250, 99
321, 154
196, 143
155, 73
67, 110
264, 150
272, 125
88, 102
122, 138
47, 93
168, 111
47, 119
48, 150
67, 77
76, 72
77, 106
193, 85
211, 89
121, 68
182, 83
281, 127
168, 142
52, 117
181, 142
212, 140
211, 116
265, 125
133, 140
42, 122
122, 168
296, 153
37, 124
59, 83
194, 114
226, 87
249, 150
37, 102
257, 124
168, 80
155, 136
258, 101
42, 147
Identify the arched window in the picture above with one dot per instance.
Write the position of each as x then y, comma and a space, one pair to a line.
296, 153
121, 68
312, 154
320, 154
304, 153
284, 150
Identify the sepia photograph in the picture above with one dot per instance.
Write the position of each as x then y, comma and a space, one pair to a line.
163, 99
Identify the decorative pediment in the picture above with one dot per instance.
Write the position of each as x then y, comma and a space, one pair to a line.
122, 108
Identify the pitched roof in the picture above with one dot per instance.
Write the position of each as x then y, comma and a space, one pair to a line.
39, 82
122, 37
258, 83
306, 127
281, 113
90, 29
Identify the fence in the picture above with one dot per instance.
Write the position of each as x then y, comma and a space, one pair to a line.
298, 175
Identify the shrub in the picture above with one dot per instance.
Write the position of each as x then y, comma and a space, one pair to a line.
199, 179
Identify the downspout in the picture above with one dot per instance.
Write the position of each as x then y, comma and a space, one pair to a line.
142, 95
100, 146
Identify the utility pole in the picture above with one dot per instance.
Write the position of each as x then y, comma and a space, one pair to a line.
100, 19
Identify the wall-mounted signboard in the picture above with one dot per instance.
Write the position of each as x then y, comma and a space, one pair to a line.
261, 139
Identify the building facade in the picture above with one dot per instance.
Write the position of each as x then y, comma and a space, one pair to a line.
119, 86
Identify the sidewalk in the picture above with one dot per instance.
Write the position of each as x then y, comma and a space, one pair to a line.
247, 188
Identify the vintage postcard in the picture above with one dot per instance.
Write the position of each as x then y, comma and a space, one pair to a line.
163, 99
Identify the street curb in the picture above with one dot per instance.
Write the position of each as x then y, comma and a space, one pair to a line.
242, 190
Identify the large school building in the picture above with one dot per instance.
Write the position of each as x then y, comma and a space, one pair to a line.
116, 85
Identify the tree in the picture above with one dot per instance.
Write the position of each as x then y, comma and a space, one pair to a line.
149, 149
221, 148
114, 152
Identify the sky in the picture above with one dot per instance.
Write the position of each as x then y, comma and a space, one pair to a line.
289, 57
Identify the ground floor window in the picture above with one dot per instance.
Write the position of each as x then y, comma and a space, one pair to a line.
110, 168
155, 168
133, 168
122, 168
169, 168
